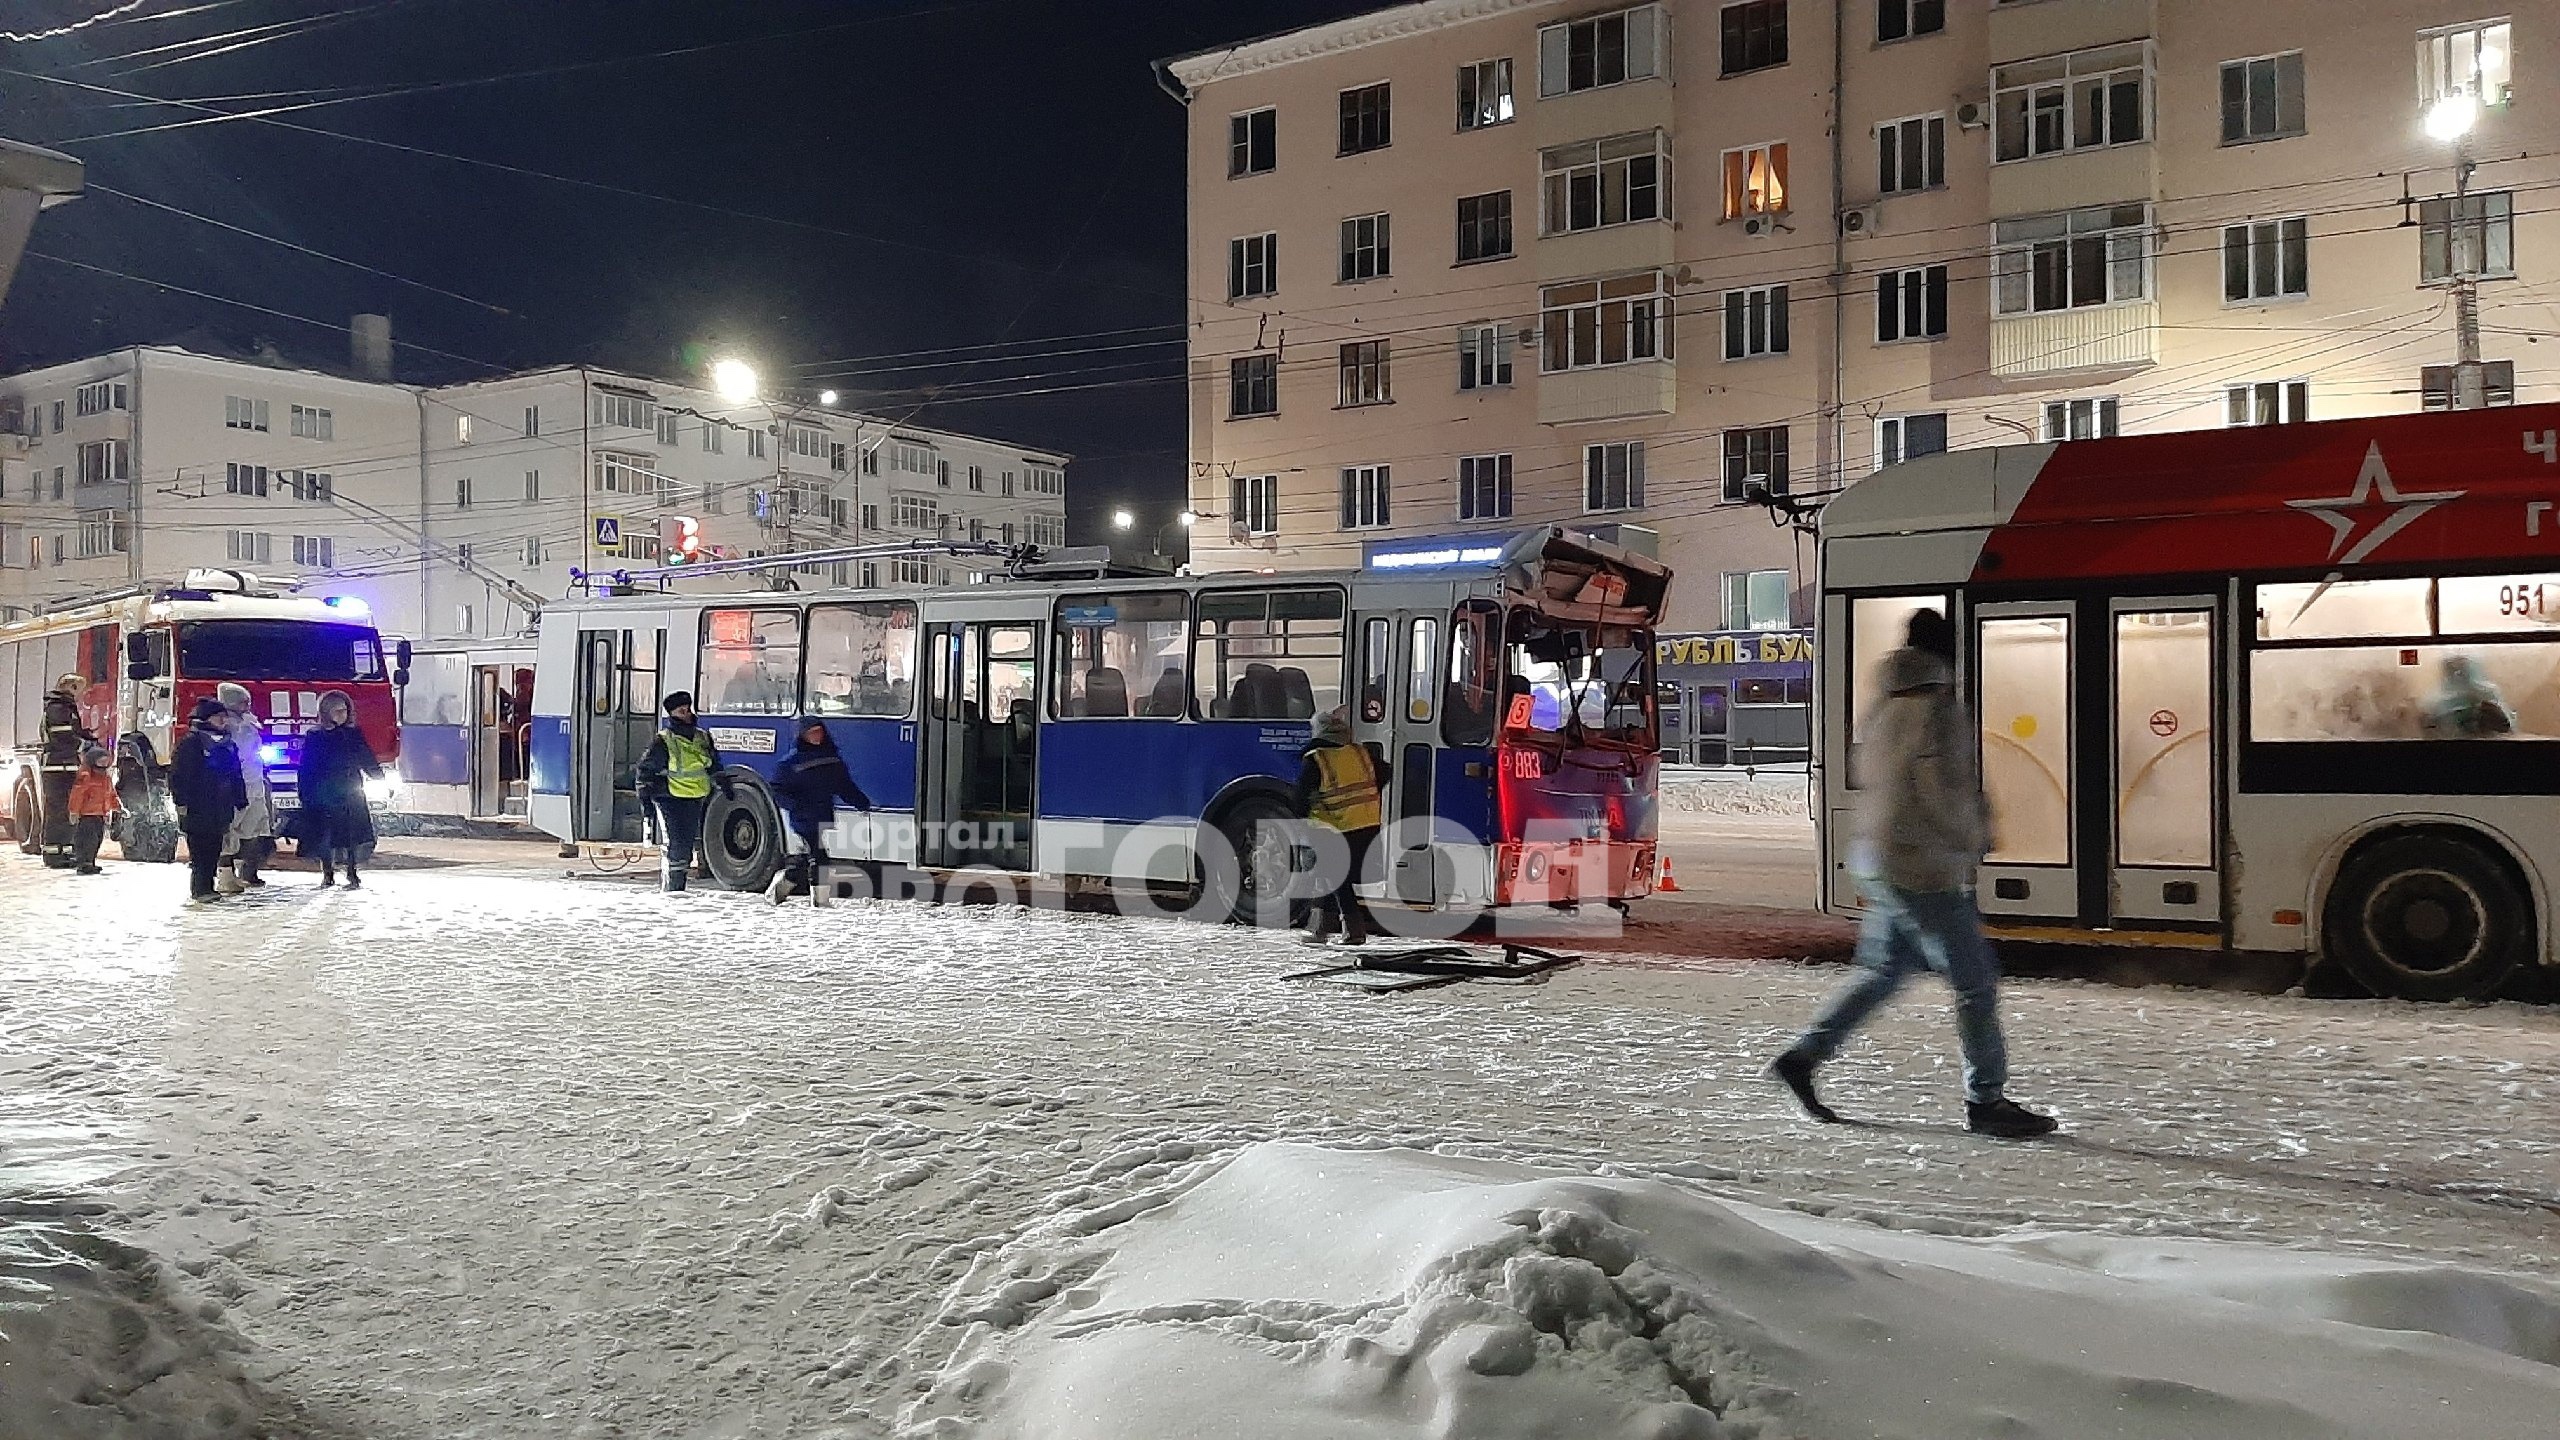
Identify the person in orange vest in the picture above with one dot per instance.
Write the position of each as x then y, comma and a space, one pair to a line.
1339, 788
93, 804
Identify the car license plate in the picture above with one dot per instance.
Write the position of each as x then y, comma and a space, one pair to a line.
286, 802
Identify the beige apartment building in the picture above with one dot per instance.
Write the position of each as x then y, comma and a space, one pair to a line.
1460, 266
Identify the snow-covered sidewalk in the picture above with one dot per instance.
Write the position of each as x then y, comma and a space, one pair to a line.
481, 1152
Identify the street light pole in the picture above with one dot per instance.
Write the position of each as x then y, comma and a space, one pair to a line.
2452, 119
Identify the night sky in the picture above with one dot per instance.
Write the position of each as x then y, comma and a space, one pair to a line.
828, 185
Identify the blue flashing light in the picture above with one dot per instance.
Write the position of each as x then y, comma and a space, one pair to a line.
271, 753
348, 603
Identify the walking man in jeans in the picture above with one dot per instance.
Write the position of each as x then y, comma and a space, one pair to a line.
1923, 828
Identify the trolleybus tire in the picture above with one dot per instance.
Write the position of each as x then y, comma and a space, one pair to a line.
742, 834
1235, 876
2426, 916
26, 819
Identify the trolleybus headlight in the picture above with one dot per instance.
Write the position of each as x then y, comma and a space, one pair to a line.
378, 788
1536, 869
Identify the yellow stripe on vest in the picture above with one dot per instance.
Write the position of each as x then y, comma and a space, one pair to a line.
1347, 798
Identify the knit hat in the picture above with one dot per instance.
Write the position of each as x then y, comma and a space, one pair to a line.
677, 700
209, 707
235, 698
1334, 724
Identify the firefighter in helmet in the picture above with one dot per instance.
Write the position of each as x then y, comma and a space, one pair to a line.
59, 763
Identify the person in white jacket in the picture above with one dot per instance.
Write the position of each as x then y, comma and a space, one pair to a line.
1923, 828
253, 829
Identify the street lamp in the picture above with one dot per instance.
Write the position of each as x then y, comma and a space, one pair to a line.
2452, 117
734, 379
826, 397
1122, 519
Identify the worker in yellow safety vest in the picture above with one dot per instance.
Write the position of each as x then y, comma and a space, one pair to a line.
1339, 788
677, 777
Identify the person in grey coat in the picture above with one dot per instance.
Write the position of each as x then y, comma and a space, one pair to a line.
1923, 828
253, 830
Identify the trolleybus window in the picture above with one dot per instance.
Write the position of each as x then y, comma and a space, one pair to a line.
1475, 674
750, 662
1120, 655
2472, 657
1604, 689
1373, 670
2025, 668
274, 650
1422, 667
1268, 654
862, 659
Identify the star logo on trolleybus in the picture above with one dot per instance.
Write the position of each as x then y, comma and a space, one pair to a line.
2376, 507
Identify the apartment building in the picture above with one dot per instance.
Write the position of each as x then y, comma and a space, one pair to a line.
451, 510
1459, 266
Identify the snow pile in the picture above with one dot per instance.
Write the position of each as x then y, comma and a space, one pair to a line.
1297, 1292
1778, 794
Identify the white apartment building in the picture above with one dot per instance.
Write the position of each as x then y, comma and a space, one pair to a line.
449, 509
1460, 266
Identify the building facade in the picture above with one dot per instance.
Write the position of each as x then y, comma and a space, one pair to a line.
1465, 265
452, 510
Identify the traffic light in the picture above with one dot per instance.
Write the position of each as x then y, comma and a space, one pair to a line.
680, 540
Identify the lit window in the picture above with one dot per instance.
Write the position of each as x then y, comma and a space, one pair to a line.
2476, 60
1484, 94
1755, 180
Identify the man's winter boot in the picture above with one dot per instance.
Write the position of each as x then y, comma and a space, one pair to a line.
1796, 1073
2006, 1119
780, 889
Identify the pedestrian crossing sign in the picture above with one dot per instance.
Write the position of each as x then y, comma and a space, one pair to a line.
608, 532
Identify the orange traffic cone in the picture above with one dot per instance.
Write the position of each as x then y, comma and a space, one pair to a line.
1670, 883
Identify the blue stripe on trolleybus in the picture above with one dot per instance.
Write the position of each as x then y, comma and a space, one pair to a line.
1133, 771
551, 755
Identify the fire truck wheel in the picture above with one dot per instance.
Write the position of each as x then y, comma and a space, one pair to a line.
2428, 917
742, 834
26, 824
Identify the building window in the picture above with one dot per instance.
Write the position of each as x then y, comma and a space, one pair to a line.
1364, 248
1364, 119
238, 479
1613, 477
1253, 386
2268, 402
755, 444
57, 482
532, 421
1484, 356
1484, 94
1911, 304
914, 457
313, 486
1755, 600
2441, 385
1364, 497
1253, 504
2072, 261
915, 512
533, 552
1591, 323
245, 545
1364, 373
1908, 437
978, 479
1602, 50
1911, 155
103, 461
2090, 419
237, 413
711, 502
461, 429
2262, 98
1048, 480
1048, 530
870, 517
2471, 236
317, 550
1484, 487
838, 458
621, 474
1596, 183
102, 532
1253, 266
312, 422
533, 485
1755, 36
1757, 454
2475, 60
1755, 322
1755, 180
1253, 143
2266, 260
462, 492
1902, 19
628, 412
2078, 101
1484, 227
714, 438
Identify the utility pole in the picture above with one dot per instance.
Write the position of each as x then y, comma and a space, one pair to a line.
2468, 391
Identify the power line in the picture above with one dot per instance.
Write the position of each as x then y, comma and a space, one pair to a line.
35, 254
298, 249
75, 27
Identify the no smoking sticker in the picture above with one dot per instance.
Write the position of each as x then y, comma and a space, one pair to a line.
2164, 723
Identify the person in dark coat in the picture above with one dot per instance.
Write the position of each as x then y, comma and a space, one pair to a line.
677, 776
337, 821
58, 763
809, 782
205, 784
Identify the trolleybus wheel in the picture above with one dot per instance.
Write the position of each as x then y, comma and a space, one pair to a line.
2428, 917
1253, 864
26, 820
742, 835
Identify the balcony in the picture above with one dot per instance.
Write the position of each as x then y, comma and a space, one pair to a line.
2103, 337
2022, 29
1608, 392
2075, 180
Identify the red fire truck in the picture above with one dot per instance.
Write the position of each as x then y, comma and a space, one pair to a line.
150, 654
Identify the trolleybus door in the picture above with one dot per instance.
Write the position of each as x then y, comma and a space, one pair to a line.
2162, 802
2024, 658
1414, 736
486, 737
942, 742
617, 717
976, 750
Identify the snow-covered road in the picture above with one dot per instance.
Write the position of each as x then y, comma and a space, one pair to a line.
482, 1152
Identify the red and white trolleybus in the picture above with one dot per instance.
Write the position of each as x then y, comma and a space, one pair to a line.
147, 656
2287, 689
